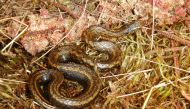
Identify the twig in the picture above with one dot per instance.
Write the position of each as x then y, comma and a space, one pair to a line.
62, 7
176, 59
174, 49
174, 37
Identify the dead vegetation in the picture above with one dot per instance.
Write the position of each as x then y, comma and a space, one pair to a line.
155, 70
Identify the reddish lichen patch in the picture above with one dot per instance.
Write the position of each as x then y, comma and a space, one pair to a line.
44, 30
35, 43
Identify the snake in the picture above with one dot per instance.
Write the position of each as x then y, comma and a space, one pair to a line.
70, 62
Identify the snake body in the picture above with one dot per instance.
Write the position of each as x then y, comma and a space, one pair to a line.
83, 75
67, 60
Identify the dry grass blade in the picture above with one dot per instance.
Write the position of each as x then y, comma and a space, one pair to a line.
155, 87
12, 41
160, 64
153, 24
16, 37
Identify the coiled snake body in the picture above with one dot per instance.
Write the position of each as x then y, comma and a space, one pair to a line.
45, 85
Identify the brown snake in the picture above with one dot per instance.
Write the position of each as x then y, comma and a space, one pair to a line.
45, 85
